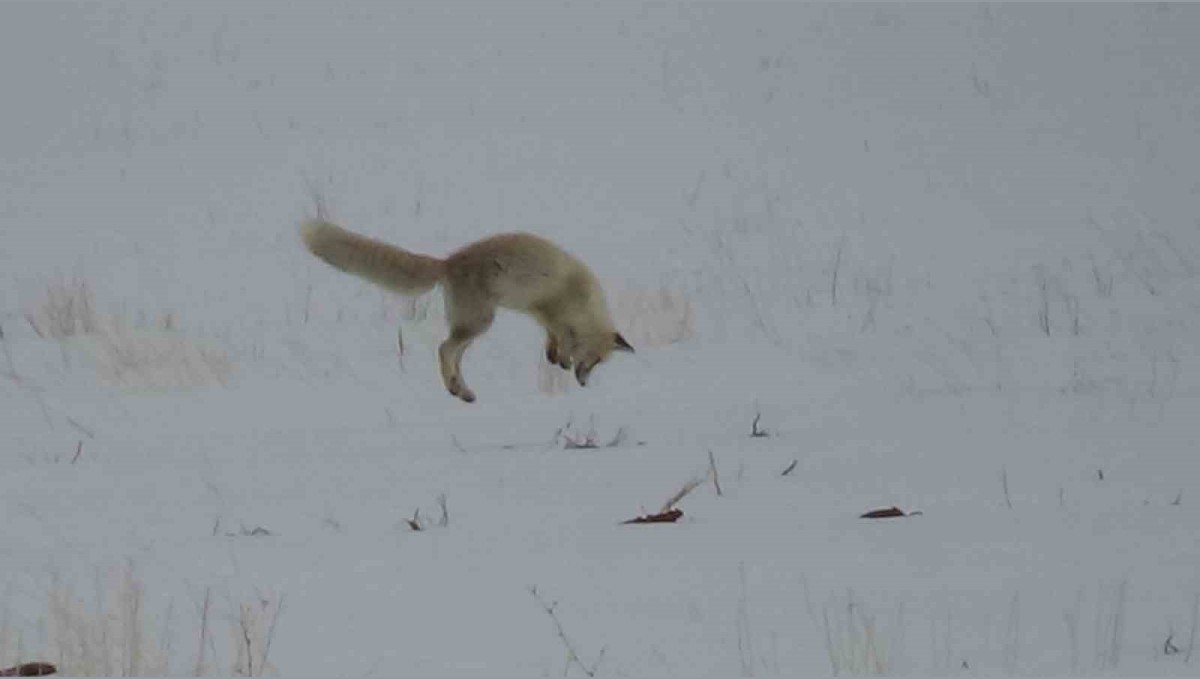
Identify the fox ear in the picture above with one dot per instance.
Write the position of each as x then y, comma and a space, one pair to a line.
620, 344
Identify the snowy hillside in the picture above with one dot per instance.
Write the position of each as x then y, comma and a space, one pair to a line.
948, 255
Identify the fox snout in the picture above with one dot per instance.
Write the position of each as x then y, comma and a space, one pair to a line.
584, 367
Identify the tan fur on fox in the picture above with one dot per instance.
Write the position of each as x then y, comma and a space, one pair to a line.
518, 271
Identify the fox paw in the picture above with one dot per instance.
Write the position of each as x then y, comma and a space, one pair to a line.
457, 388
553, 357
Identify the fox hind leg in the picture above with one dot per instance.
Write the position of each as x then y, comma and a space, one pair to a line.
464, 328
450, 361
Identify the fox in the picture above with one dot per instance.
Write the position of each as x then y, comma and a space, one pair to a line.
519, 271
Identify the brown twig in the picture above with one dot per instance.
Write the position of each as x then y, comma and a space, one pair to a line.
271, 630
200, 668
712, 466
21, 383
789, 469
445, 519
572, 654
1004, 485
33, 324
669, 516
618, 439
400, 344
245, 625
755, 432
1187, 660
683, 492
86, 432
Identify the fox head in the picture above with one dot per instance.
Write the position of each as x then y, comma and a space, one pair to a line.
595, 349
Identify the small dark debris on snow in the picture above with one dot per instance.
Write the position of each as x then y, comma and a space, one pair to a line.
415, 522
29, 669
890, 512
789, 469
669, 516
256, 532
755, 432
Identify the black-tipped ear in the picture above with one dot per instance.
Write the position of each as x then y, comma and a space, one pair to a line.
620, 343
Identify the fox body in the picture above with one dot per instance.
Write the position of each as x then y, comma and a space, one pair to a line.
518, 271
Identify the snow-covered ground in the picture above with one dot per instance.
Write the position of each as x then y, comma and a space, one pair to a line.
948, 254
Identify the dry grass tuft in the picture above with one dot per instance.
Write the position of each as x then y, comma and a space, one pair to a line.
68, 310
573, 439
157, 359
109, 639
853, 642
115, 636
253, 633
153, 356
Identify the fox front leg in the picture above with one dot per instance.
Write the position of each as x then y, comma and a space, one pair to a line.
555, 355
582, 370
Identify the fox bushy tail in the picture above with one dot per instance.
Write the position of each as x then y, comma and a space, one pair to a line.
381, 263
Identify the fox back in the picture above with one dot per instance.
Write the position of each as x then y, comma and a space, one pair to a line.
528, 273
